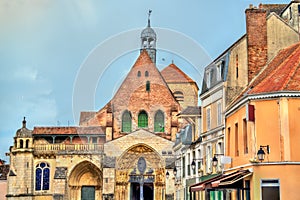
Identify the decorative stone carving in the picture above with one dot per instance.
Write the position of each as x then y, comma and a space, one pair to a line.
60, 173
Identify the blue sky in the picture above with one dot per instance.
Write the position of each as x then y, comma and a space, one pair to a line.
45, 43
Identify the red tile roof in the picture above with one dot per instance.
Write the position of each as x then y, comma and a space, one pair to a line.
68, 130
143, 59
281, 74
172, 74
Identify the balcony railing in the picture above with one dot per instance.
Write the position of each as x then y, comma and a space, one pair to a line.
68, 148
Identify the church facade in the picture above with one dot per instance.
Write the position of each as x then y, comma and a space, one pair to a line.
122, 151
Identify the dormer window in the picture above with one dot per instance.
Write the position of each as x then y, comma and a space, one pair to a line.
208, 78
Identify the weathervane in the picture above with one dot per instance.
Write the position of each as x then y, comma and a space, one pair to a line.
149, 13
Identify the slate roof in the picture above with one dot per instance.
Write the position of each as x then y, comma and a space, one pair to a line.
276, 8
4, 169
281, 74
91, 130
172, 74
191, 110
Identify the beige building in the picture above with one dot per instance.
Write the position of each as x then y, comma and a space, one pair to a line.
122, 151
267, 32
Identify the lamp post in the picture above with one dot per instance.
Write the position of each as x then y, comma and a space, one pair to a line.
261, 153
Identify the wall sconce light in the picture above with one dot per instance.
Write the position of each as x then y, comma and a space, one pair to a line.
193, 164
261, 153
167, 174
215, 159
174, 172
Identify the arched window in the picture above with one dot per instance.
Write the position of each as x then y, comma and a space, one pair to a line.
148, 86
27, 144
179, 96
42, 176
143, 119
139, 74
21, 144
146, 73
126, 122
159, 122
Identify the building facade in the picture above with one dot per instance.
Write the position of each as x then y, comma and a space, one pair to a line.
267, 32
122, 151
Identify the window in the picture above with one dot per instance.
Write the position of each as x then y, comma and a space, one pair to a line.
245, 134
219, 114
208, 78
220, 67
143, 120
208, 159
179, 96
159, 122
146, 73
148, 86
291, 14
228, 141
189, 164
21, 144
27, 144
208, 118
126, 122
194, 157
42, 176
270, 189
236, 130
139, 74
94, 140
199, 157
183, 166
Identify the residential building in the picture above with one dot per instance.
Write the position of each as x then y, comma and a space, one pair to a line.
266, 33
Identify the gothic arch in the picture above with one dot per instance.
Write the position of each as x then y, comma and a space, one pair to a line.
129, 158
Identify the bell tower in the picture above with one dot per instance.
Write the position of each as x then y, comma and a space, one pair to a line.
148, 40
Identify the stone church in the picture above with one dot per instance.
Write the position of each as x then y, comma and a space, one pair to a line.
122, 151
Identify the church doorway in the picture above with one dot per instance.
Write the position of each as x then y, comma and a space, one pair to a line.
147, 191
87, 193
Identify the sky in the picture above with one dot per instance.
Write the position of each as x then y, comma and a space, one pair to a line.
53, 53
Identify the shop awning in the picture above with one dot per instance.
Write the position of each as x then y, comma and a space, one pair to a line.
221, 180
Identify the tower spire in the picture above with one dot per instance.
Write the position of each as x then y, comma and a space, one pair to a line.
148, 40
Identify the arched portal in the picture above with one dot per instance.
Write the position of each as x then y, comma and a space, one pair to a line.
85, 182
140, 167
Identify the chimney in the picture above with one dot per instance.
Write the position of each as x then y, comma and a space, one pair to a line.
256, 25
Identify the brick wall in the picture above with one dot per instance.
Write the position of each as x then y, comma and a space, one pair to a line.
256, 25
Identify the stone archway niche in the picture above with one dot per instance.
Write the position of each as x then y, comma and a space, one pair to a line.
84, 176
127, 166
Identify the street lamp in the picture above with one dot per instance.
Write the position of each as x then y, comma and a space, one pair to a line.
261, 153
215, 159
